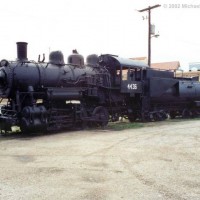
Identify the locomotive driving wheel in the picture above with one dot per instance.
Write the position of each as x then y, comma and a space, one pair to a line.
100, 116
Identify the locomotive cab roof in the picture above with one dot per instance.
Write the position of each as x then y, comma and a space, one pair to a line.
115, 61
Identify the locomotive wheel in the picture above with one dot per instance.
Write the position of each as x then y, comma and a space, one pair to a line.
163, 115
115, 117
146, 117
157, 116
172, 115
195, 113
23, 126
4, 130
83, 115
100, 116
132, 118
186, 113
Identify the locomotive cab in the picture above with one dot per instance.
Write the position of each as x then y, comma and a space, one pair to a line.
127, 75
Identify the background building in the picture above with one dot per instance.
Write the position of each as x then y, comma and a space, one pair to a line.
194, 66
172, 65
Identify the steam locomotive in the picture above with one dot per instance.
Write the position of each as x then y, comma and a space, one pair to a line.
46, 96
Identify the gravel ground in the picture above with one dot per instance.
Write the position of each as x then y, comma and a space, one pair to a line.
158, 161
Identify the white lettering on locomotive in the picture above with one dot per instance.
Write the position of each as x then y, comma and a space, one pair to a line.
132, 86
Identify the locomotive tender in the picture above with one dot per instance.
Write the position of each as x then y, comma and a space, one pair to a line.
54, 95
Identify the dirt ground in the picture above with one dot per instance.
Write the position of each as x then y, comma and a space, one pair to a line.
157, 161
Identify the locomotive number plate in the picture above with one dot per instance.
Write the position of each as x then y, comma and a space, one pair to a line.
132, 86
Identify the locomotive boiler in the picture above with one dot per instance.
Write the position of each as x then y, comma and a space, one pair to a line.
41, 96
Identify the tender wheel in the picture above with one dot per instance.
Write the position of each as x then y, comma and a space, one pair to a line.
195, 113
172, 115
100, 116
132, 118
157, 116
83, 116
146, 117
186, 113
163, 115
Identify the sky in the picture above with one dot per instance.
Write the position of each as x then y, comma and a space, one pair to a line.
94, 26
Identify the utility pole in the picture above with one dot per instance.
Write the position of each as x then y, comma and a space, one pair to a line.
149, 30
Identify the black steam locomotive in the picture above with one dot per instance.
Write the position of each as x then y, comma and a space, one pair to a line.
51, 96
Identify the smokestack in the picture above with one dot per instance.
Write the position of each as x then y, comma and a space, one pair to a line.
22, 51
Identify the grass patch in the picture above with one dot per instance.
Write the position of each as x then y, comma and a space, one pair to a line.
123, 125
118, 126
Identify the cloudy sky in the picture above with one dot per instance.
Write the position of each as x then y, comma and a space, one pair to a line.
94, 26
